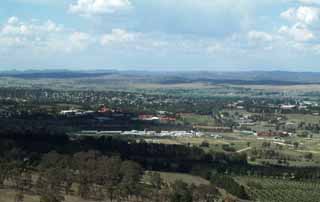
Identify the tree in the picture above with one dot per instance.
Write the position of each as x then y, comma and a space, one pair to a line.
131, 174
22, 181
86, 163
68, 180
4, 171
180, 192
156, 180
266, 144
50, 186
54, 159
228, 198
308, 156
205, 193
204, 144
156, 185
110, 172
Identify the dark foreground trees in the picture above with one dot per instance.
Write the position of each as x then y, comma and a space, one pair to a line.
182, 192
96, 177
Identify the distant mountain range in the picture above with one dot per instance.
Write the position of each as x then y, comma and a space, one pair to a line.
250, 77
54, 74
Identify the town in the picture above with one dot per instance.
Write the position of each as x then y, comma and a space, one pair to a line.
171, 133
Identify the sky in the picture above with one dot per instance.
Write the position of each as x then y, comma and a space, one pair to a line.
170, 35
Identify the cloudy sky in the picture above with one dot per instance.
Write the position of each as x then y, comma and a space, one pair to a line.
160, 34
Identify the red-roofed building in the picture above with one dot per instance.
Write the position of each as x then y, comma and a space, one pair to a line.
104, 109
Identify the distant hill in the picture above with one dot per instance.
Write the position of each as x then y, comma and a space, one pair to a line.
237, 78
55, 74
253, 77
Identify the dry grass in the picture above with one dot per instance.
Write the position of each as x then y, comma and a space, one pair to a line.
189, 179
7, 195
307, 118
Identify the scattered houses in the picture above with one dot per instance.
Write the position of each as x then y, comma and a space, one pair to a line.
142, 133
273, 134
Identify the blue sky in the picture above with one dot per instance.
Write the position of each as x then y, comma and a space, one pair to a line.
214, 35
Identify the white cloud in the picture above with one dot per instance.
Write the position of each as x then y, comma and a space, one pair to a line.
309, 1
259, 36
289, 14
297, 32
316, 48
10, 41
16, 27
79, 41
41, 2
305, 22
159, 42
118, 36
40, 36
98, 7
14, 30
52, 27
13, 20
214, 48
303, 14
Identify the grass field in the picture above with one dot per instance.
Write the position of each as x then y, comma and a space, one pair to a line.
307, 118
168, 177
194, 119
8, 195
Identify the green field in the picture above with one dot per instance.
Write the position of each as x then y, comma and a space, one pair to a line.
194, 119
245, 144
277, 190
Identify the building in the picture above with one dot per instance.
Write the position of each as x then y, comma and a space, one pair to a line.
273, 134
104, 109
214, 129
69, 112
287, 107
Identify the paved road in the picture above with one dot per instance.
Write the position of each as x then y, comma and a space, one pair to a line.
245, 149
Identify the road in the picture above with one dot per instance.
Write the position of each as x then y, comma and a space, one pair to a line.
245, 149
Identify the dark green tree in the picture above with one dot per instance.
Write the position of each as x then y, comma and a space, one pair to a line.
180, 192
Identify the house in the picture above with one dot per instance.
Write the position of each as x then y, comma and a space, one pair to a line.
69, 112
273, 134
167, 119
148, 118
291, 125
214, 128
104, 109
287, 107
